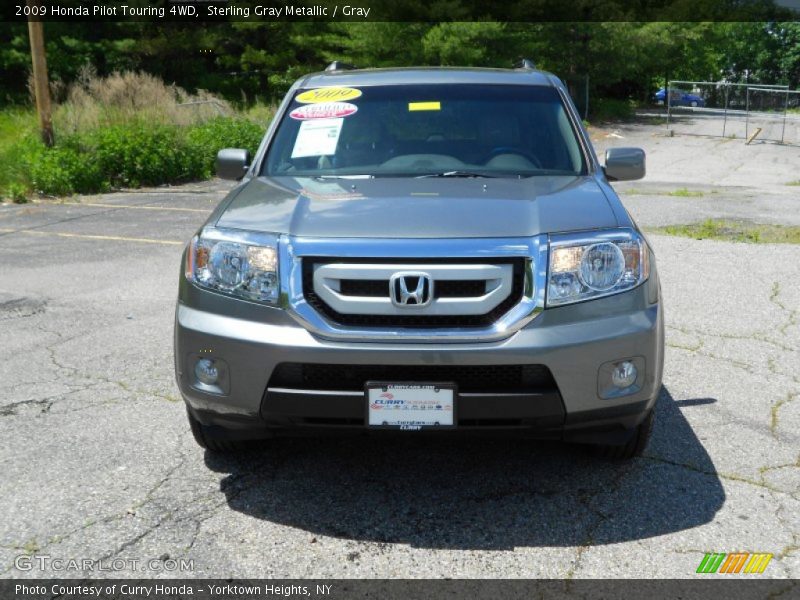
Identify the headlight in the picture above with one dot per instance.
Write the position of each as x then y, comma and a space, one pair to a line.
586, 266
239, 268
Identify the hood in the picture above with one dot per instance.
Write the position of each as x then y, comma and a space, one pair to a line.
419, 208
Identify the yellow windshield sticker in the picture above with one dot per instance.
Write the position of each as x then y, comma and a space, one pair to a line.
331, 94
424, 106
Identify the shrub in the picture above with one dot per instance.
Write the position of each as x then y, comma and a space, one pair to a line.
54, 171
607, 109
17, 126
223, 132
17, 193
141, 154
61, 170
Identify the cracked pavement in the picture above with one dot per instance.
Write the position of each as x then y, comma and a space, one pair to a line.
98, 462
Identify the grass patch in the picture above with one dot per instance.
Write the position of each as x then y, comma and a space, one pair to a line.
685, 193
795, 182
736, 231
679, 193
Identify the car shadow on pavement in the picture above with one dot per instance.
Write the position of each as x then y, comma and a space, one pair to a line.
476, 493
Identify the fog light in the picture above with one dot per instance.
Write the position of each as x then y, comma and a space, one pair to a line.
624, 374
206, 371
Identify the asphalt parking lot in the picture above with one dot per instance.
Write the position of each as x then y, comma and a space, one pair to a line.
98, 462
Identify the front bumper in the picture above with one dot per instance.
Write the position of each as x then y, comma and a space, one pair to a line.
573, 343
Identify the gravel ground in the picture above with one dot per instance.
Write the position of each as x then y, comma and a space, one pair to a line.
98, 462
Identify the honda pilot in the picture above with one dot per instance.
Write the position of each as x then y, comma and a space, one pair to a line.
422, 250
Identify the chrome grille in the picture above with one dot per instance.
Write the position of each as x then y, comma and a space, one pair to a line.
466, 292
528, 257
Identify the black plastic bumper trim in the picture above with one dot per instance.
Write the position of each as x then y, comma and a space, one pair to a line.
284, 406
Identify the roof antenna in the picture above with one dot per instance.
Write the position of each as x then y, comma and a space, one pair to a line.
338, 65
524, 63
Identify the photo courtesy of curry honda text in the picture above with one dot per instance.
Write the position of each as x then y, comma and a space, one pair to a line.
422, 250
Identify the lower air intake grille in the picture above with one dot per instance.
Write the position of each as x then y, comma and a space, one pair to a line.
468, 378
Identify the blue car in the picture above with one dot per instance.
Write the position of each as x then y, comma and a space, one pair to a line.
679, 98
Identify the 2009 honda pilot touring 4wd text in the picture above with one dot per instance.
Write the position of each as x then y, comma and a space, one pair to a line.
422, 250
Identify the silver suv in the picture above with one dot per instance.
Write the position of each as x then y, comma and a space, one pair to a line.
422, 250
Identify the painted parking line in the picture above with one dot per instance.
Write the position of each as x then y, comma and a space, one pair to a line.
111, 238
137, 206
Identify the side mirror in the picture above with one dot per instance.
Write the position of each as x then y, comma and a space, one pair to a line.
232, 163
624, 164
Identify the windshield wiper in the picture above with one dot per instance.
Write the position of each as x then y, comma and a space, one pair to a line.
456, 174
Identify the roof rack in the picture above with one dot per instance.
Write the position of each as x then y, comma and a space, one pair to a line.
338, 65
524, 63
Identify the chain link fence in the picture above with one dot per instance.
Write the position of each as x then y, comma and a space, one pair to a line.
733, 110
773, 115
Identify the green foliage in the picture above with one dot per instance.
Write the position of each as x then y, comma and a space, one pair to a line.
17, 193
62, 170
762, 52
482, 44
141, 154
376, 44
15, 126
244, 61
606, 109
207, 139
132, 154
117, 156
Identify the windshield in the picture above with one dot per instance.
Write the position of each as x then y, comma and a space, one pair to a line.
425, 130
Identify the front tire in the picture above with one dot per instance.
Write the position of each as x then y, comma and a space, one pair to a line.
634, 447
214, 443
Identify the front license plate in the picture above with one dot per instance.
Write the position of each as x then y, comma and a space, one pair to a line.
411, 406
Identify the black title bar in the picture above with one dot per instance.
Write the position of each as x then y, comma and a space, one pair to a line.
401, 10
734, 588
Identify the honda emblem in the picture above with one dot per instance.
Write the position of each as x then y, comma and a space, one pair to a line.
410, 289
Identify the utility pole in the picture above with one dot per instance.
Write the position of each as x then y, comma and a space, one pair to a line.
41, 86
